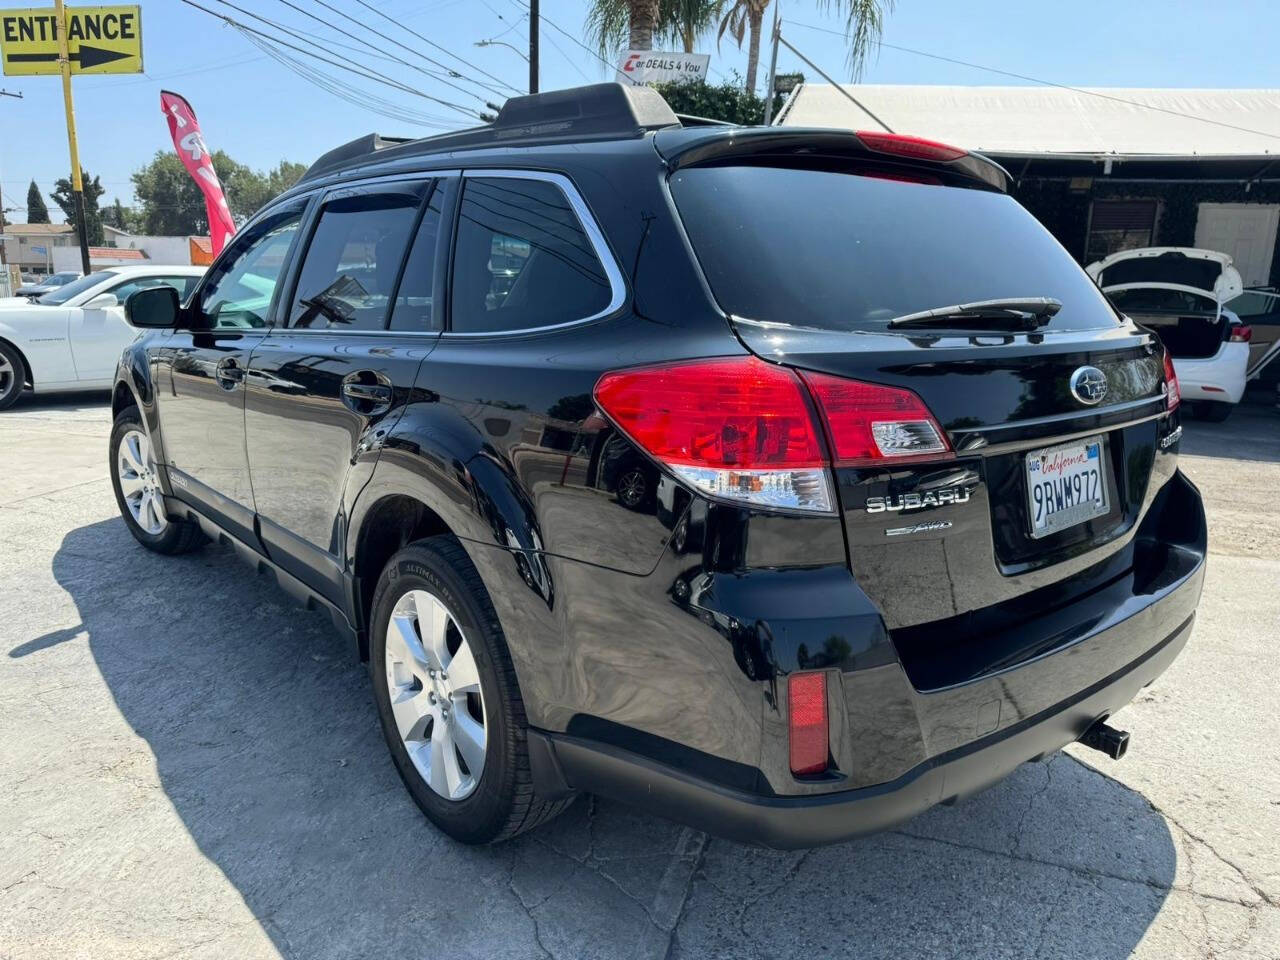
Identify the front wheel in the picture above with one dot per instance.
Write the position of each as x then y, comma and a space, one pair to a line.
137, 488
13, 375
447, 696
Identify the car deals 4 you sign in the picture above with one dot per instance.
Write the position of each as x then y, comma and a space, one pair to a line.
650, 66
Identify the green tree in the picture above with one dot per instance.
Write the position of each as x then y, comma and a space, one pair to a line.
119, 216
92, 190
677, 22
37, 212
727, 101
609, 21
863, 24
171, 203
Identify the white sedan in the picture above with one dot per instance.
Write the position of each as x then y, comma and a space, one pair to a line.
72, 337
1180, 292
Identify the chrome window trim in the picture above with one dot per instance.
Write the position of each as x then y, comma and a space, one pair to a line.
617, 285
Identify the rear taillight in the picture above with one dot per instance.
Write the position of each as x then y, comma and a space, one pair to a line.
807, 722
1173, 396
869, 423
1240, 334
733, 427
743, 429
914, 148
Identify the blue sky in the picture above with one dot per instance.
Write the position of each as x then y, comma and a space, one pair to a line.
260, 112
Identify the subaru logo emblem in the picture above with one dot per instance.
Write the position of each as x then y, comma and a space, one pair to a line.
1089, 385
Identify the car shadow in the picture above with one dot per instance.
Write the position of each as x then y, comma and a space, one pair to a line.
267, 745
30, 402
1251, 433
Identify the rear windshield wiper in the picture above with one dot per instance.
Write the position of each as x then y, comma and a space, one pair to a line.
1030, 312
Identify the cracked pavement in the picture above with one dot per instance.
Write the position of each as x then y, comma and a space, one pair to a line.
191, 768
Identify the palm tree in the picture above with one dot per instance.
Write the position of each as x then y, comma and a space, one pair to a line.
864, 20
745, 16
611, 23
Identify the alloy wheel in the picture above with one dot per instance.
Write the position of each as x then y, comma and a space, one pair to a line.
7, 376
136, 470
435, 694
631, 489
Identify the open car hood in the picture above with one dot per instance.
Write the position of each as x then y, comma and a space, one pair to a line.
1205, 272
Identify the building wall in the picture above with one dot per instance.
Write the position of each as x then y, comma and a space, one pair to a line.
1066, 213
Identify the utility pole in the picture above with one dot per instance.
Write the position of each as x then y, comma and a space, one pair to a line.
4, 222
533, 46
773, 64
77, 184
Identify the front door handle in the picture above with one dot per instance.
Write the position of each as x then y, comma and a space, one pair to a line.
369, 392
228, 373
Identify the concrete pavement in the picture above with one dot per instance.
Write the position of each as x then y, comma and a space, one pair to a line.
191, 767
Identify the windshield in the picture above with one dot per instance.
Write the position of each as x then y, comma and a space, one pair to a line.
55, 298
842, 251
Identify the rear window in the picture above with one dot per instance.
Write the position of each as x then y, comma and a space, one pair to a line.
840, 251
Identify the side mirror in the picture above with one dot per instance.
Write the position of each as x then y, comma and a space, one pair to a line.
102, 301
155, 307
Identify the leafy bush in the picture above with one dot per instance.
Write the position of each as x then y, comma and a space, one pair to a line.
724, 101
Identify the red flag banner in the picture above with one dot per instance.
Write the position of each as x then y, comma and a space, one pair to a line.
194, 154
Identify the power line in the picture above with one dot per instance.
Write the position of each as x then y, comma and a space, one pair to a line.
1050, 83
555, 26
414, 33
289, 31
346, 92
364, 72
412, 66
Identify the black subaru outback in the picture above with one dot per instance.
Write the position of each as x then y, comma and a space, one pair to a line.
784, 481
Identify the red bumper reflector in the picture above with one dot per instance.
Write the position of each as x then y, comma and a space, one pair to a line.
807, 722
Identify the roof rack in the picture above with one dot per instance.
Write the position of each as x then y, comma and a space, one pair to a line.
601, 111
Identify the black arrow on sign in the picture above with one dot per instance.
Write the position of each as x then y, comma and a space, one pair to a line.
86, 56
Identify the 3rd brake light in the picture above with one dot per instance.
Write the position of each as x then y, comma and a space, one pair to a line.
742, 429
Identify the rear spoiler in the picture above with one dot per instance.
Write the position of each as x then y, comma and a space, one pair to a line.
745, 143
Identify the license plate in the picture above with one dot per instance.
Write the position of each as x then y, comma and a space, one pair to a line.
1066, 485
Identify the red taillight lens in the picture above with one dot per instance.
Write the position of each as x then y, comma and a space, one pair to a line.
1173, 396
807, 721
870, 423
1241, 334
734, 427
914, 148
743, 429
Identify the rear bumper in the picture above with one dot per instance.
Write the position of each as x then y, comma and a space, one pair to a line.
947, 742
1220, 378
805, 821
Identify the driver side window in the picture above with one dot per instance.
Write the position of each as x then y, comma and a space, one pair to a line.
239, 292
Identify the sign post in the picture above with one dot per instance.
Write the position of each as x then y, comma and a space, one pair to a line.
37, 42
77, 184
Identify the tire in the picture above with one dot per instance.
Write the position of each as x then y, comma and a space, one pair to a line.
1214, 411
499, 802
169, 536
13, 376
633, 489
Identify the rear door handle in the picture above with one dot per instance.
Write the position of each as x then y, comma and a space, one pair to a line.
371, 392
228, 373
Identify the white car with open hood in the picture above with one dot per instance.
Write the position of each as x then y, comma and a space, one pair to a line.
1180, 293
72, 337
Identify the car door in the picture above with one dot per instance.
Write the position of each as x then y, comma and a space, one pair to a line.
325, 385
98, 331
1259, 309
200, 370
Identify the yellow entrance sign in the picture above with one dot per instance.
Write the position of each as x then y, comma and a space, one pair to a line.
99, 40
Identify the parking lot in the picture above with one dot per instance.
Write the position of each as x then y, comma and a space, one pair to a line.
191, 767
